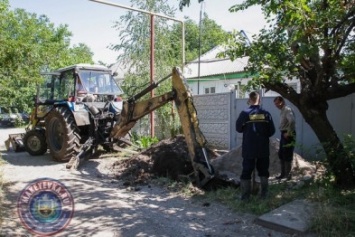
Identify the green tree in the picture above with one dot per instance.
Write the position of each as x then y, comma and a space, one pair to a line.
314, 42
185, 3
134, 43
31, 44
212, 35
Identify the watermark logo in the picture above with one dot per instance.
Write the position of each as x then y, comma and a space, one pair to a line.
45, 207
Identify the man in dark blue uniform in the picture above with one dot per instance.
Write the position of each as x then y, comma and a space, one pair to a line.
257, 127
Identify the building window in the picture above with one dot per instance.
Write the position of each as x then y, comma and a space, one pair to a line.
210, 90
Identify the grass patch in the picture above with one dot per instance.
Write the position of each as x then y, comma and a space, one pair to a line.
279, 194
334, 216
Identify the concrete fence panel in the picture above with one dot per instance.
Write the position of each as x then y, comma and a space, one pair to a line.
217, 115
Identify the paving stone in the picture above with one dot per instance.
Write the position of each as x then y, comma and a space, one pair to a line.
291, 218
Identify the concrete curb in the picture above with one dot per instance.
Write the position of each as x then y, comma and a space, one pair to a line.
291, 218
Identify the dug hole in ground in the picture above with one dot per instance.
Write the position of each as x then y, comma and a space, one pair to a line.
170, 158
117, 197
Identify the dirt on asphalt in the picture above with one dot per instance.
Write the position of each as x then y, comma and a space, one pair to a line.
106, 206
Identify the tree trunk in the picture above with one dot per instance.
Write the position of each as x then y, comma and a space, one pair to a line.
339, 163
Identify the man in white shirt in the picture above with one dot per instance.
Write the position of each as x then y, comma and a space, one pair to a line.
288, 137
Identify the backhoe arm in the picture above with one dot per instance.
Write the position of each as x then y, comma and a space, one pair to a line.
133, 110
194, 137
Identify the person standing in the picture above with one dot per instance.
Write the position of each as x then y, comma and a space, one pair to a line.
257, 127
288, 137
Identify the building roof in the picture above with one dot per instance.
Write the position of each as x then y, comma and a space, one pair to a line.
211, 65
84, 66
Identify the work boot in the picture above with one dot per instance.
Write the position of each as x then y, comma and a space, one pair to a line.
283, 170
264, 183
245, 186
288, 168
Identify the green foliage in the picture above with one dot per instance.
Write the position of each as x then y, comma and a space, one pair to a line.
279, 194
337, 222
31, 44
144, 141
304, 39
185, 3
347, 153
134, 40
19, 122
349, 149
311, 41
212, 35
333, 215
134, 43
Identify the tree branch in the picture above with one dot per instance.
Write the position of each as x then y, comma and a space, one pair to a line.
347, 33
340, 91
284, 90
351, 13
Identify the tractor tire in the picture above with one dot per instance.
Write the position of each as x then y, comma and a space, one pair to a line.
62, 134
35, 142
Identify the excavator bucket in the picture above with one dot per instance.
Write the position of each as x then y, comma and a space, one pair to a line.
205, 175
15, 142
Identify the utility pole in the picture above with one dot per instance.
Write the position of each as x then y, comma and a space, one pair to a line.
152, 15
199, 51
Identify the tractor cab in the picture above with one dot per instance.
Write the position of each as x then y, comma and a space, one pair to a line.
80, 83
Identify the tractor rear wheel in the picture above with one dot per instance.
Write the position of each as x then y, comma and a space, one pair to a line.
35, 142
62, 134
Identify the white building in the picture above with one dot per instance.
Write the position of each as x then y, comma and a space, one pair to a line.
210, 74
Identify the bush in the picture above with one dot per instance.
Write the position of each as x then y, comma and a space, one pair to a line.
144, 141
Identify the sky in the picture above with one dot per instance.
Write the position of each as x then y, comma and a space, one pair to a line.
92, 23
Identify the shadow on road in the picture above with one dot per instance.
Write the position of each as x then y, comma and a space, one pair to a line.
25, 159
106, 208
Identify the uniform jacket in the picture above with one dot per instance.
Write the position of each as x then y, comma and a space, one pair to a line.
287, 120
257, 127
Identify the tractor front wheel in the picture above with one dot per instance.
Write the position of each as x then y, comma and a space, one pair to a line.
35, 142
62, 134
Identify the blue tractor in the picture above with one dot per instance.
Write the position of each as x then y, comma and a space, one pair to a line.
75, 110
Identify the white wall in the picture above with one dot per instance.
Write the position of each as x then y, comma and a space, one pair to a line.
341, 114
222, 86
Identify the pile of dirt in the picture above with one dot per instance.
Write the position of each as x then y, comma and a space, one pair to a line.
170, 158
230, 164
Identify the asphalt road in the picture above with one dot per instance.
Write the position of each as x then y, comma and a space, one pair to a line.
104, 207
